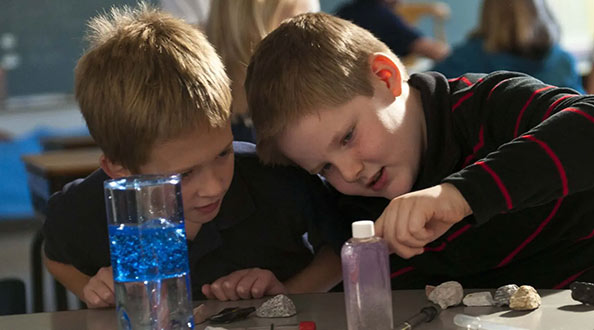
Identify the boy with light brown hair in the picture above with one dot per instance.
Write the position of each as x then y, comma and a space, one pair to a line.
156, 99
484, 179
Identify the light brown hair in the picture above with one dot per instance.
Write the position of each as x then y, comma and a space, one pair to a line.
235, 28
309, 61
147, 77
521, 27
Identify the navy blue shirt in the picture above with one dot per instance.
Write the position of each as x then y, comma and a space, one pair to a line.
262, 220
379, 19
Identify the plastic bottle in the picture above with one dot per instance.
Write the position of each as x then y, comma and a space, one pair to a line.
366, 280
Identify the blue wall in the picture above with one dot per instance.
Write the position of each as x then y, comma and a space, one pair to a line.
463, 17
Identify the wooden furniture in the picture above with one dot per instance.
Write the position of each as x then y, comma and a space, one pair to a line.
67, 142
47, 173
558, 311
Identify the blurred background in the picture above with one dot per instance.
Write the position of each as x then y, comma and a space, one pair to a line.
40, 42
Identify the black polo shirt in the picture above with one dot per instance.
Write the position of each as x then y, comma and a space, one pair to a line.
261, 223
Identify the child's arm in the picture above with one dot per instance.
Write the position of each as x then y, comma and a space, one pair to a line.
96, 291
531, 143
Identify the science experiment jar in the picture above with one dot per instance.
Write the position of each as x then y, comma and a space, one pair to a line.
149, 255
366, 280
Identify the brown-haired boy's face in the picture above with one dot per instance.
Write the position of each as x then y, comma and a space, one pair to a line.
369, 146
204, 157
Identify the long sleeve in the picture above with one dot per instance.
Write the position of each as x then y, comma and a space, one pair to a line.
532, 143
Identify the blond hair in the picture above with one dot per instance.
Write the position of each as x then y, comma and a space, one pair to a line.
309, 61
147, 77
522, 27
235, 27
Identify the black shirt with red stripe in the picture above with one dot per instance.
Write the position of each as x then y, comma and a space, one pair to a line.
522, 154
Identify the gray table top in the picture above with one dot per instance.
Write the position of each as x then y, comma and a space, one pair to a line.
558, 311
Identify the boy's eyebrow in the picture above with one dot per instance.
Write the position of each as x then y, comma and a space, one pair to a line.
229, 145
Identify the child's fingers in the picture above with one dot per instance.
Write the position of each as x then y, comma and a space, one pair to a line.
229, 285
263, 281
217, 290
417, 226
244, 287
207, 292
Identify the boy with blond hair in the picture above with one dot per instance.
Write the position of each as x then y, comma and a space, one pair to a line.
484, 179
156, 99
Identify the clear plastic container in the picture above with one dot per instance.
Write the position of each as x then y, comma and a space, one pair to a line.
366, 280
149, 254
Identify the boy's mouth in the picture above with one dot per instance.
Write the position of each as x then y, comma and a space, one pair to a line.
208, 208
378, 181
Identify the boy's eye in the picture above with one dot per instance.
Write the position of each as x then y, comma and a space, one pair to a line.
186, 174
347, 137
325, 168
226, 152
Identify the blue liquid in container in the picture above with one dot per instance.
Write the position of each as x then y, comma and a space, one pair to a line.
151, 275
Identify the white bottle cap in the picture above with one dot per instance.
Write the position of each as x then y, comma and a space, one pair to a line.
363, 229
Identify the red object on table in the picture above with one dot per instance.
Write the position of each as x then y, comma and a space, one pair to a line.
307, 325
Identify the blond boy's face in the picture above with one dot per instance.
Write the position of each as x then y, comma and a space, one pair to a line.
369, 146
204, 157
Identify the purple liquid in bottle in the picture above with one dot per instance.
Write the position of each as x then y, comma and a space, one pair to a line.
366, 280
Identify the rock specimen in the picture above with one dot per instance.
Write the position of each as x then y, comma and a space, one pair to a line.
478, 299
277, 306
583, 292
503, 294
447, 294
526, 298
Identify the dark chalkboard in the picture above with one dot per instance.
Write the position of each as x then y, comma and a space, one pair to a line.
49, 40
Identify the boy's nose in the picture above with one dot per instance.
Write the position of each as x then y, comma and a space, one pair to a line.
207, 184
351, 171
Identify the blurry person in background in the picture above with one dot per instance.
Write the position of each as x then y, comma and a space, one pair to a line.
235, 28
379, 17
515, 35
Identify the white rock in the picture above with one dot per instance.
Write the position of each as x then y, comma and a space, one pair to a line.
277, 306
478, 299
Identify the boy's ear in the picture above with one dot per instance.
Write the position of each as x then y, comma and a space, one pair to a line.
385, 69
113, 170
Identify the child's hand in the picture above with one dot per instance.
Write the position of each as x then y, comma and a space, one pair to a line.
412, 220
244, 284
99, 290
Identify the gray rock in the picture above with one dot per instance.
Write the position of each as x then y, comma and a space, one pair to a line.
447, 294
277, 306
526, 298
503, 294
478, 299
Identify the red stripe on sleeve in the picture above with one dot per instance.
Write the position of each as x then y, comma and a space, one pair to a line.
548, 113
526, 106
461, 100
555, 160
477, 147
580, 112
495, 87
586, 237
570, 279
532, 236
499, 183
402, 271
